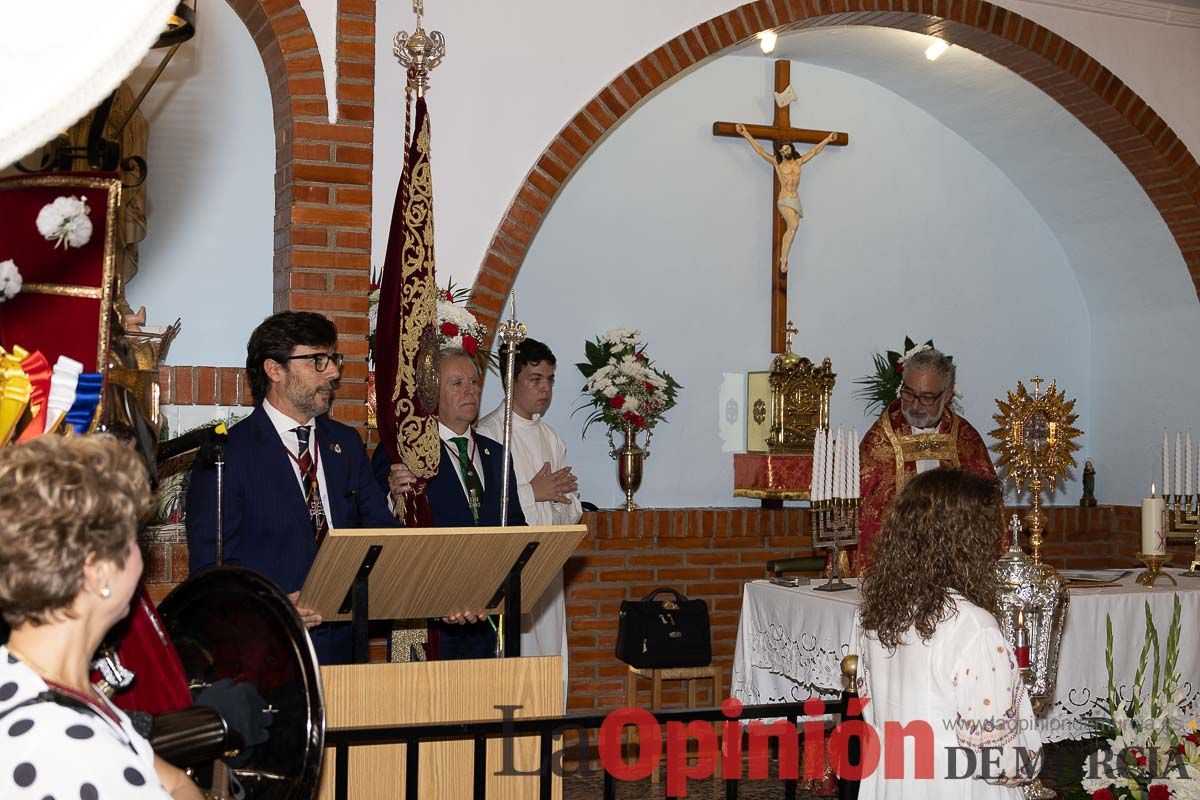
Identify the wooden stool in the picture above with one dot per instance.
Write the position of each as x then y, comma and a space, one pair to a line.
712, 673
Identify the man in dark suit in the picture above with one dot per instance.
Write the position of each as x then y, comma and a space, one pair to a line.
291, 473
466, 490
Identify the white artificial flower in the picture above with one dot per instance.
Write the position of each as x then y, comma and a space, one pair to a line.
609, 390
631, 404
66, 222
1091, 785
920, 348
618, 338
373, 317
10, 280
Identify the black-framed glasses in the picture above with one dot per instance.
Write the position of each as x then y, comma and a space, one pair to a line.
320, 360
909, 396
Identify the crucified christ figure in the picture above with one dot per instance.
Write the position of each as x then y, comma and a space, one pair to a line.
787, 168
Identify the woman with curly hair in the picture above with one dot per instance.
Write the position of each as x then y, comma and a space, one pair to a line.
932, 653
69, 566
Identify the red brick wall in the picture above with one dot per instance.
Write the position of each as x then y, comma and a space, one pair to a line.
322, 256
709, 553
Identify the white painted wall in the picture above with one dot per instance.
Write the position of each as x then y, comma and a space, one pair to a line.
211, 192
496, 71
909, 231
322, 18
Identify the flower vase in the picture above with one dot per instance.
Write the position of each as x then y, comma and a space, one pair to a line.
629, 464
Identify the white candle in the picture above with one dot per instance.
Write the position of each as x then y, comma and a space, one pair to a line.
841, 457
1166, 467
1178, 464
1154, 539
829, 452
1187, 482
818, 463
855, 475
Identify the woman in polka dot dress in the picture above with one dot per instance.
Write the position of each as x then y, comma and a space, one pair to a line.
932, 657
69, 564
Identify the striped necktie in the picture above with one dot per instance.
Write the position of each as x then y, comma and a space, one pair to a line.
312, 489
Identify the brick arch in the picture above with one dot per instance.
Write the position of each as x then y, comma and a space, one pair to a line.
322, 227
1143, 142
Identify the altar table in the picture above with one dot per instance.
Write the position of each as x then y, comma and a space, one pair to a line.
791, 642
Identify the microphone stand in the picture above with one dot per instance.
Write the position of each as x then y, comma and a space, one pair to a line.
219, 462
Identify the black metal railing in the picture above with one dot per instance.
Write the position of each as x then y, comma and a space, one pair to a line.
545, 728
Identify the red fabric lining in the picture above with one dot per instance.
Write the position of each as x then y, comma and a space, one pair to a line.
56, 325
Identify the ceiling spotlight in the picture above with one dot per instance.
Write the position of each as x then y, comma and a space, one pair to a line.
935, 50
766, 41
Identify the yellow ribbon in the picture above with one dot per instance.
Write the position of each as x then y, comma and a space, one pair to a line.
15, 391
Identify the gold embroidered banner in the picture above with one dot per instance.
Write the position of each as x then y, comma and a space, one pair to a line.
405, 338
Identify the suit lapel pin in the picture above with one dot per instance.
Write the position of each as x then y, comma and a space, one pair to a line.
487, 452
337, 448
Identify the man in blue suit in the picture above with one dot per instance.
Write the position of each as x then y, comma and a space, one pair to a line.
465, 492
291, 473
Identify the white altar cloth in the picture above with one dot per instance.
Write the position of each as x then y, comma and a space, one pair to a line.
791, 642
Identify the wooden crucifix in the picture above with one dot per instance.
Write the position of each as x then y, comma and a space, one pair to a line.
787, 211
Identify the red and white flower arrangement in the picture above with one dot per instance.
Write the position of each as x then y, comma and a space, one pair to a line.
621, 386
456, 325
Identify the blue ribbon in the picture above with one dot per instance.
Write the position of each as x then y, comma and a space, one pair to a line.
87, 397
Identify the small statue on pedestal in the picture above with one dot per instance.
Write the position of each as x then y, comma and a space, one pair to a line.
1089, 485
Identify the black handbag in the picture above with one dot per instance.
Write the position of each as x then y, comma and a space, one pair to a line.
663, 633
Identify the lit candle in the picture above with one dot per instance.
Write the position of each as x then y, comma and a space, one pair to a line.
1154, 540
1178, 464
1022, 641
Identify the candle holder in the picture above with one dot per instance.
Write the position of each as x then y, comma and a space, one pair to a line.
1183, 520
1154, 563
834, 525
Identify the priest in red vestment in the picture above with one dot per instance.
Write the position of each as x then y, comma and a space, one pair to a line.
917, 432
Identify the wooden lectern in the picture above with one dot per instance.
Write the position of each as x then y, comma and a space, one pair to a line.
410, 573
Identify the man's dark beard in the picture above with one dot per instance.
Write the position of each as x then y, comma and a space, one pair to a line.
308, 401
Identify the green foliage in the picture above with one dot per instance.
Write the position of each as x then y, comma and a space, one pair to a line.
882, 387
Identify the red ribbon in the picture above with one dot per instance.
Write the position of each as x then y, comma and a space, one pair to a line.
37, 368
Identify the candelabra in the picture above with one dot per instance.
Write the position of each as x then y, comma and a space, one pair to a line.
1183, 520
834, 525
